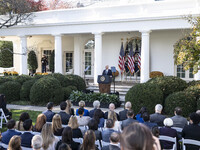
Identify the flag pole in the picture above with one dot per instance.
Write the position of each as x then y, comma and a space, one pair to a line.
121, 72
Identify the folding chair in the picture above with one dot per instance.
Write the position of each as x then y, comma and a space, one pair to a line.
179, 130
2, 117
190, 141
169, 139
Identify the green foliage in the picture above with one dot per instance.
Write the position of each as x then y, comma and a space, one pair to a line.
77, 96
37, 76
32, 61
169, 84
191, 83
6, 56
22, 78
51, 64
46, 89
60, 77
68, 90
145, 94
25, 90
183, 99
4, 79
11, 89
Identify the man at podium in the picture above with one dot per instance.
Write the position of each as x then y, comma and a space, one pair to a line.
107, 71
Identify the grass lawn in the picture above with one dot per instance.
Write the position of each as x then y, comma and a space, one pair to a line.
16, 114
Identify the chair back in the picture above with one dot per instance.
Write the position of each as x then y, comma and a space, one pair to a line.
2, 117
169, 139
190, 141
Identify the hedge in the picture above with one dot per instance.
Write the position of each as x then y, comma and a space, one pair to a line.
68, 90
183, 99
25, 90
22, 78
11, 89
5, 79
60, 77
46, 89
144, 94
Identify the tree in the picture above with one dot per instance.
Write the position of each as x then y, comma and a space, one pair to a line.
6, 55
187, 49
56, 4
51, 64
32, 62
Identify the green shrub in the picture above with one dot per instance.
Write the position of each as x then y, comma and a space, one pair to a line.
6, 55
22, 78
51, 63
169, 84
11, 89
25, 90
183, 99
32, 61
68, 90
145, 94
59, 77
37, 76
46, 89
191, 83
4, 79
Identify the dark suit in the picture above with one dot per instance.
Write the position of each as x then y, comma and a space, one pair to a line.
49, 114
150, 125
91, 113
26, 138
123, 115
7, 135
76, 133
107, 72
127, 122
106, 134
110, 147
157, 118
106, 115
191, 132
179, 121
64, 117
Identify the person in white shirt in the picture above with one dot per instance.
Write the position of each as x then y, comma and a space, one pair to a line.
82, 120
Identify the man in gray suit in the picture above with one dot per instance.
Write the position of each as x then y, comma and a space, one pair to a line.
114, 142
178, 120
157, 117
129, 120
108, 131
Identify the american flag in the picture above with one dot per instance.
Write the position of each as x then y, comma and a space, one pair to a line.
131, 60
121, 59
139, 61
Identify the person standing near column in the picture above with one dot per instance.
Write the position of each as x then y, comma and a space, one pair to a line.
107, 71
44, 63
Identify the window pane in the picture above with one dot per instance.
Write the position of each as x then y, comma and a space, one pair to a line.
69, 61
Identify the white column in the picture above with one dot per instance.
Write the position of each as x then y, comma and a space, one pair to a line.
197, 76
144, 76
23, 55
58, 54
77, 55
97, 56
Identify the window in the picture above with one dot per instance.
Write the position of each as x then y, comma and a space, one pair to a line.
180, 71
48, 55
69, 61
185, 74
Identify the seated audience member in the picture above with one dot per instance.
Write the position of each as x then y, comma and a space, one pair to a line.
27, 136
19, 124
40, 121
198, 112
48, 113
147, 122
155, 131
82, 105
143, 139
37, 142
15, 143
3, 106
123, 113
76, 131
99, 118
157, 117
168, 131
64, 116
178, 120
64, 146
112, 115
82, 120
114, 142
7, 135
57, 125
92, 125
49, 140
111, 108
192, 131
67, 138
140, 113
108, 130
129, 120
89, 141
96, 105
68, 109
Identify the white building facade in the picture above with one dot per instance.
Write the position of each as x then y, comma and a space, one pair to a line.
92, 37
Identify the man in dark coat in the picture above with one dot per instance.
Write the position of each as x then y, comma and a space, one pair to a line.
114, 142
107, 71
64, 116
44, 62
123, 113
157, 117
129, 120
48, 113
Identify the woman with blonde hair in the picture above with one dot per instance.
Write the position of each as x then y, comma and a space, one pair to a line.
68, 109
41, 120
112, 115
49, 140
57, 125
73, 123
15, 143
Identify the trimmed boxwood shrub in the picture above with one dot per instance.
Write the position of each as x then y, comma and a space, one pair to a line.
191, 83
46, 89
68, 90
25, 90
76, 81
4, 79
22, 78
169, 84
37, 76
11, 89
145, 94
183, 99
59, 77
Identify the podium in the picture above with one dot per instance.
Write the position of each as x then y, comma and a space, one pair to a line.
104, 83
